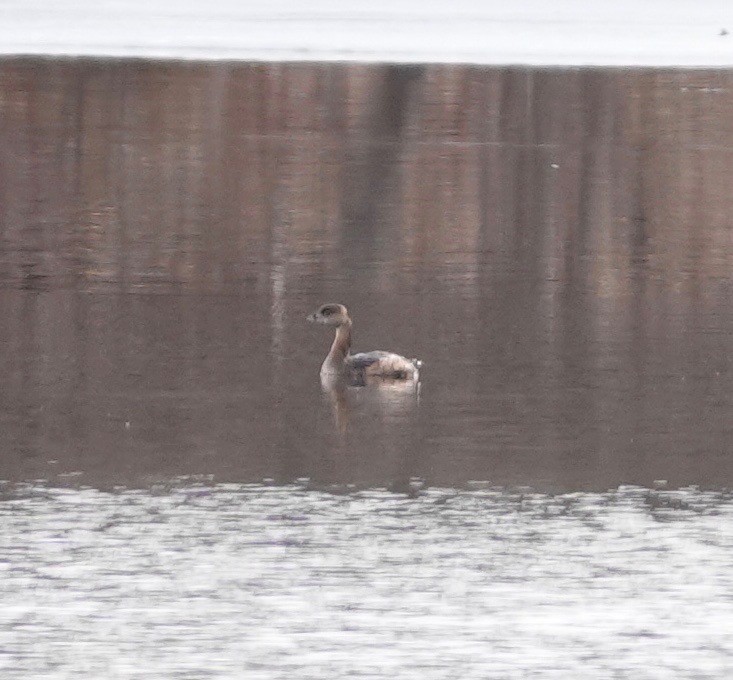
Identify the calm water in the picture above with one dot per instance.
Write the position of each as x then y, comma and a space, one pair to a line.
182, 500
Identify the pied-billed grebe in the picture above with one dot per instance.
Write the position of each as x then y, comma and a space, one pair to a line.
364, 368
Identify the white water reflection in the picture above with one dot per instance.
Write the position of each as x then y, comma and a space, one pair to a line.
233, 581
570, 32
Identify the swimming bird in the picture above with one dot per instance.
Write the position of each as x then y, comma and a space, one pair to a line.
366, 367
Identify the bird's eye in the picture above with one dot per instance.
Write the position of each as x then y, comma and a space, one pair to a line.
326, 312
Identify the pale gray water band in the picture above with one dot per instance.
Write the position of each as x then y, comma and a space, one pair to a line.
228, 581
691, 33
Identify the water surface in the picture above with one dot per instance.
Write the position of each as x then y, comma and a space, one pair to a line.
198, 581
181, 500
690, 33
554, 244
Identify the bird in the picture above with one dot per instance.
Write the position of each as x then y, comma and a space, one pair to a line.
365, 368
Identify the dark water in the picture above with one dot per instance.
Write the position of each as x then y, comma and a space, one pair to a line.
180, 498
556, 245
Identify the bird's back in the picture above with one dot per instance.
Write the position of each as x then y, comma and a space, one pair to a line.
382, 364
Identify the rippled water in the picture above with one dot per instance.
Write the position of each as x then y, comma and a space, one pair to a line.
555, 245
197, 581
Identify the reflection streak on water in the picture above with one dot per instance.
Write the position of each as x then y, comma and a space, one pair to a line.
223, 580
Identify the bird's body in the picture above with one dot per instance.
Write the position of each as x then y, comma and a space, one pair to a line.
363, 368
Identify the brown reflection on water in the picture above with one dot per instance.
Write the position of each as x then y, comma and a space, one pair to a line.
554, 244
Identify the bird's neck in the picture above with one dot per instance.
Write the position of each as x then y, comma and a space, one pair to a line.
340, 347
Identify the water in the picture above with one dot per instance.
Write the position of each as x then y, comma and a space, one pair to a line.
279, 582
555, 245
690, 33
